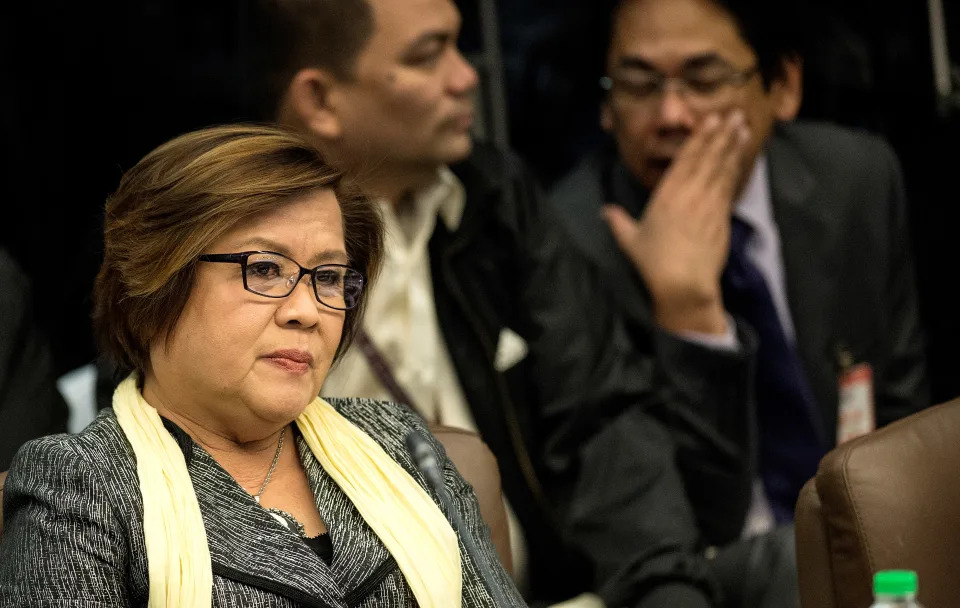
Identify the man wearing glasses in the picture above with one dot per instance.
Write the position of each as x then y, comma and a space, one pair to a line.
760, 242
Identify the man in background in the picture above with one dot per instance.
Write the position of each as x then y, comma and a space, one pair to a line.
713, 216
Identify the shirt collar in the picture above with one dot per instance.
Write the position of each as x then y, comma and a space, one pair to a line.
754, 206
408, 233
445, 197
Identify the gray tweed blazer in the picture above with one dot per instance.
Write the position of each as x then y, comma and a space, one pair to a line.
73, 527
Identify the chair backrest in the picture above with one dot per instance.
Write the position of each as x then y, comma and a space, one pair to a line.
890, 499
479, 467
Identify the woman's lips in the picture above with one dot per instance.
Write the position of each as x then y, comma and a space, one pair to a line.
291, 360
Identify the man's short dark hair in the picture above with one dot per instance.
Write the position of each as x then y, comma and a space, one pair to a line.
774, 29
288, 35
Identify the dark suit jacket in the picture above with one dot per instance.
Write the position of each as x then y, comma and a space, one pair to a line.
73, 529
839, 204
30, 405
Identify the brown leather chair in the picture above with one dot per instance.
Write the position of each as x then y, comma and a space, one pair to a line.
478, 466
890, 499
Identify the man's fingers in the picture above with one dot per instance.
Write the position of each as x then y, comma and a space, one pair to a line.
707, 166
624, 228
728, 170
687, 164
691, 153
719, 148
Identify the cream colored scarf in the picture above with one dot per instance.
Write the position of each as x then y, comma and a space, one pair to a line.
399, 511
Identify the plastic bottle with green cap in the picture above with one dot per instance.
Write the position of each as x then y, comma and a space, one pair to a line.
895, 589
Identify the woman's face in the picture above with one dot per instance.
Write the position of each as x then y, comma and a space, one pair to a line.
240, 360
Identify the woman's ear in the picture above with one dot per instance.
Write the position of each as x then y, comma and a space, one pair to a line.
786, 92
307, 104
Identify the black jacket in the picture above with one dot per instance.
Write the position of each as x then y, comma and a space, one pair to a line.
30, 405
602, 452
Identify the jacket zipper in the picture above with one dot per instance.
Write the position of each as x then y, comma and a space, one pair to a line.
269, 585
352, 598
370, 583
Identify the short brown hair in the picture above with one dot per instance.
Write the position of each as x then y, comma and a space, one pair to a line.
185, 195
288, 35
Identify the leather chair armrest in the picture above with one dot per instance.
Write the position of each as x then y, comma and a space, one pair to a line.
813, 551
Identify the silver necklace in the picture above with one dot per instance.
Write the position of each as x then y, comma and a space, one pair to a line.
285, 519
273, 465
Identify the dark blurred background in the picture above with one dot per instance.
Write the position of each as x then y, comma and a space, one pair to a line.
86, 89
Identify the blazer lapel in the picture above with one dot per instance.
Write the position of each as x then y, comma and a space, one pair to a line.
248, 545
810, 242
359, 557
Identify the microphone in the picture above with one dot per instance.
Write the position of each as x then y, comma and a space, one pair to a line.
425, 458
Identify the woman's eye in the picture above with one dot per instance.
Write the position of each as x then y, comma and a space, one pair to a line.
263, 270
328, 277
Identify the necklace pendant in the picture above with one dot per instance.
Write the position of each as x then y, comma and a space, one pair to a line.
257, 498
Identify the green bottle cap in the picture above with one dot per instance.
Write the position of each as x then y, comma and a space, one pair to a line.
894, 582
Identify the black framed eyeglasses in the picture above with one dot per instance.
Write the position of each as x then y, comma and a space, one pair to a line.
274, 275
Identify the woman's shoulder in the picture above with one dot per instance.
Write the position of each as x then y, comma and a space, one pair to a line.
95, 451
375, 414
78, 496
103, 431
387, 422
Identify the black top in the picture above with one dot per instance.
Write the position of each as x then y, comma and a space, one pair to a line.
322, 546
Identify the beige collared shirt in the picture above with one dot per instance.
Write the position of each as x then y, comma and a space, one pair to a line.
401, 317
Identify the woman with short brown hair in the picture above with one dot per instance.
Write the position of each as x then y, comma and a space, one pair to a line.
183, 196
234, 275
